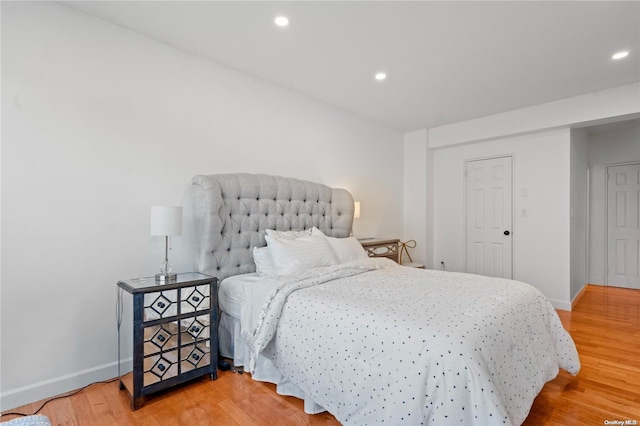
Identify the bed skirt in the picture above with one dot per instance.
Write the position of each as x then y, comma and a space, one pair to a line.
233, 347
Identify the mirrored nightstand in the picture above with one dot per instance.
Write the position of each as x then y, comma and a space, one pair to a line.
175, 333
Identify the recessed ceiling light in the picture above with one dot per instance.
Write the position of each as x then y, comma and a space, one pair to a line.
381, 76
282, 21
620, 55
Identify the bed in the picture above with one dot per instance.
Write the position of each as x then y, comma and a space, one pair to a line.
368, 340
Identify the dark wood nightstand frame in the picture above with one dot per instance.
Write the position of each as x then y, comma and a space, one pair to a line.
183, 327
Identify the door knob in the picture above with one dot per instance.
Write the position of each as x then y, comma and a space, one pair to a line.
506, 232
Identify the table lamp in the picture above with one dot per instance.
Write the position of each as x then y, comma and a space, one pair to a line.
166, 221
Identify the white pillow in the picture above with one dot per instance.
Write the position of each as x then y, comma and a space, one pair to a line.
291, 256
287, 235
264, 262
345, 249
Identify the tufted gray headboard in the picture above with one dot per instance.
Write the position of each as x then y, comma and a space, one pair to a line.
232, 212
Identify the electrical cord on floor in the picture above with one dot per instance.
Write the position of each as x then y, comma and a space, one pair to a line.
57, 397
118, 323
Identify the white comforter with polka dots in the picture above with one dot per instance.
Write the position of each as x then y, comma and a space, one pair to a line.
375, 344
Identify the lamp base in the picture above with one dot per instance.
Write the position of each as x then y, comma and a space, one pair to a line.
167, 278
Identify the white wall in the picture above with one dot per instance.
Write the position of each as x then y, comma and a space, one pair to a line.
98, 124
481, 137
608, 148
540, 240
578, 210
415, 195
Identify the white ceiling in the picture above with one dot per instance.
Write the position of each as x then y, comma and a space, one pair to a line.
446, 61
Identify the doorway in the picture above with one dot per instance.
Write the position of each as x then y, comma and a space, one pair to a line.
489, 216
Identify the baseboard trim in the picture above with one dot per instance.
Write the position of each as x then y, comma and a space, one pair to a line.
58, 385
561, 304
578, 296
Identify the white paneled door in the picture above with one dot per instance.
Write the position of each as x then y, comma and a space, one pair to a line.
623, 226
489, 217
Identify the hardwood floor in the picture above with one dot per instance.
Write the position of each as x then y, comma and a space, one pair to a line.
605, 325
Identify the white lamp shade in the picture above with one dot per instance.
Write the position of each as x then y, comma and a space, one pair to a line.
166, 220
356, 209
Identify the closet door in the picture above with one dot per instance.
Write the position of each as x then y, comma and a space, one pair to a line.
623, 226
489, 212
